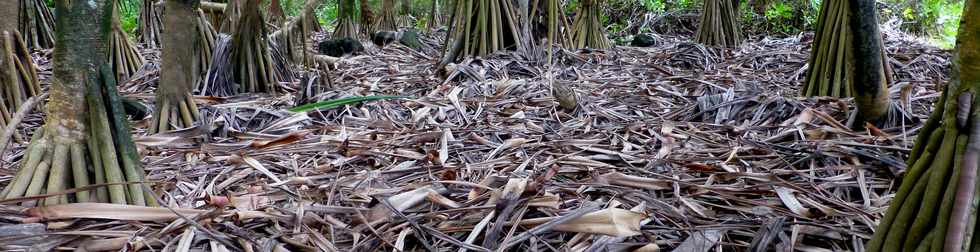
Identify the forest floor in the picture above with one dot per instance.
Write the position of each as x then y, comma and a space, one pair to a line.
709, 148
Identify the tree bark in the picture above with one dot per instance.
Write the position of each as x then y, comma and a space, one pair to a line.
175, 107
367, 17
870, 87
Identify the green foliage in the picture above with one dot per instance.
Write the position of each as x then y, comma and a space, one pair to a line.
129, 13
780, 17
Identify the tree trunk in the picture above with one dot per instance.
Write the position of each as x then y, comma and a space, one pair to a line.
85, 128
175, 107
871, 86
934, 208
276, 15
388, 21
367, 17
346, 25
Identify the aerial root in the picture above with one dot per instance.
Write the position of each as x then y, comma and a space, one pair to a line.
175, 113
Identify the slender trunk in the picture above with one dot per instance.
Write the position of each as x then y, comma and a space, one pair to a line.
388, 21
346, 25
870, 87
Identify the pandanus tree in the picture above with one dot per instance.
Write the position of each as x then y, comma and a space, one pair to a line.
36, 23
124, 58
828, 73
18, 76
276, 16
85, 139
587, 30
346, 25
175, 107
719, 24
246, 60
481, 27
148, 31
935, 206
367, 17
292, 38
388, 20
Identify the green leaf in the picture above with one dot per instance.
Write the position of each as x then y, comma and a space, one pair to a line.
329, 104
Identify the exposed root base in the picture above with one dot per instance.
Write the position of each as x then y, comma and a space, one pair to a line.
919, 215
123, 56
251, 57
57, 160
37, 24
174, 113
148, 32
18, 68
827, 74
481, 28
587, 29
719, 24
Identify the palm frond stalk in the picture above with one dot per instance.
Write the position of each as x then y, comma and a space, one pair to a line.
719, 24
935, 206
86, 137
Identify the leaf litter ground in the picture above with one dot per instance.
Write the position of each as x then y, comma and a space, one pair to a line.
677, 146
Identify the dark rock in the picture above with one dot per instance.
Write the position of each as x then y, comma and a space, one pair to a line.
410, 38
383, 38
340, 47
643, 40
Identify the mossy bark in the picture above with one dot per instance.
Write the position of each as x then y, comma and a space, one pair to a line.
719, 24
86, 139
935, 206
175, 107
587, 30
